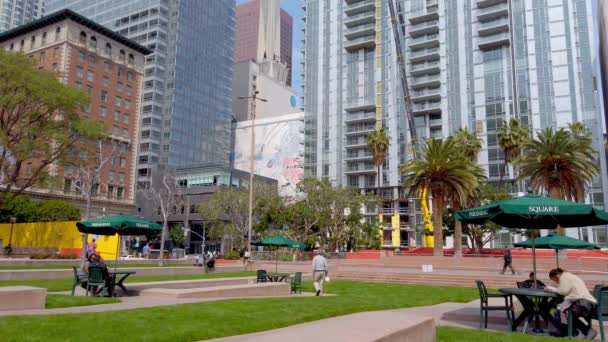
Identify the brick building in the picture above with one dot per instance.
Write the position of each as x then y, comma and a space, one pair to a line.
109, 68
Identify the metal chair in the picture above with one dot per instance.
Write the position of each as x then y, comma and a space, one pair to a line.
261, 276
484, 305
296, 283
600, 292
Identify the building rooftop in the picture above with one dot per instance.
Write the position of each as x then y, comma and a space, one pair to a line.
69, 14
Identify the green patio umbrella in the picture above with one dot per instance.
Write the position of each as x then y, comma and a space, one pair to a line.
279, 241
557, 241
534, 212
118, 224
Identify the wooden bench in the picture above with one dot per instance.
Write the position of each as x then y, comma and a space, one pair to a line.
227, 291
22, 298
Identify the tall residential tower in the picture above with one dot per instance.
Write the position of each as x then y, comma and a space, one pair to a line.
187, 92
15, 13
469, 63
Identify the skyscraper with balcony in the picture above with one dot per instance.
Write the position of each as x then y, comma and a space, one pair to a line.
187, 92
469, 63
15, 13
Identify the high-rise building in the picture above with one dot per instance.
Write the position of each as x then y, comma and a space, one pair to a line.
263, 34
602, 11
109, 68
187, 92
15, 13
469, 63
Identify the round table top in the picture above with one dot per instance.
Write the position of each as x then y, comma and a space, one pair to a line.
528, 292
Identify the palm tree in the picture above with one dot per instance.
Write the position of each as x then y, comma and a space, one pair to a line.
377, 143
446, 173
560, 163
511, 137
469, 145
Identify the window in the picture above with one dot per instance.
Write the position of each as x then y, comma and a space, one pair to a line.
80, 55
127, 104
57, 33
119, 192
103, 111
116, 115
89, 90
87, 108
123, 162
78, 84
130, 76
92, 60
104, 96
108, 49
119, 87
43, 38
106, 67
54, 67
131, 59
55, 52
125, 118
116, 131
105, 81
110, 191
129, 90
83, 38
117, 101
120, 72
93, 42
32, 42
125, 133
122, 56
42, 57
90, 76
79, 72
121, 177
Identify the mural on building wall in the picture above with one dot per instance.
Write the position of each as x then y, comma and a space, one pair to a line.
278, 150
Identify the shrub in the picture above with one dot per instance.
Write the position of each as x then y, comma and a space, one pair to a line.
231, 256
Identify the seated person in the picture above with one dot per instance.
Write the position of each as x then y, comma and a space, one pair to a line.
97, 261
530, 281
576, 298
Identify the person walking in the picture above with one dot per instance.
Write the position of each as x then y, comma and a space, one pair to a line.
508, 262
319, 271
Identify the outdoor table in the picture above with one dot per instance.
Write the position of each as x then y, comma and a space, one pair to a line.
276, 277
536, 304
119, 283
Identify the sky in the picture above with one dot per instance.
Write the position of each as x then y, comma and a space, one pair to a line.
294, 8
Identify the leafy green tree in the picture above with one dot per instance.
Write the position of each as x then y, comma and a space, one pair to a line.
176, 234
377, 143
19, 207
482, 234
446, 173
39, 122
57, 210
512, 137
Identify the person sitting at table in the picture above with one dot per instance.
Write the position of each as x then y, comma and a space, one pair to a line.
95, 260
529, 283
576, 298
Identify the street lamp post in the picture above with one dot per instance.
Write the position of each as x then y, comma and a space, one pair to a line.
253, 97
12, 220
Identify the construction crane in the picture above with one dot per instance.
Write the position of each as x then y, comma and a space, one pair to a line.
397, 21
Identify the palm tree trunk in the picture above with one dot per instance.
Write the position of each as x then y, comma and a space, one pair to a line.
556, 192
437, 226
457, 235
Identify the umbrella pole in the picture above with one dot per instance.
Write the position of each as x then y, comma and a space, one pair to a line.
276, 257
117, 253
534, 258
557, 258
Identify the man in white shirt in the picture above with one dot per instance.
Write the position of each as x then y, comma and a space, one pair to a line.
319, 271
574, 290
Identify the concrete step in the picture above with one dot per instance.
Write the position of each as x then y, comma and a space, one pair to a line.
227, 291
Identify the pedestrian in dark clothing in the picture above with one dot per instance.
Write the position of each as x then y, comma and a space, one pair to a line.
508, 262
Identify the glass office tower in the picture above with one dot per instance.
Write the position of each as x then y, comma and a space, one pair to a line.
469, 63
15, 13
187, 95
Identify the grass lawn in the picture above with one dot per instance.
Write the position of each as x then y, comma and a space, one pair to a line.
65, 284
66, 267
448, 334
193, 322
63, 301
